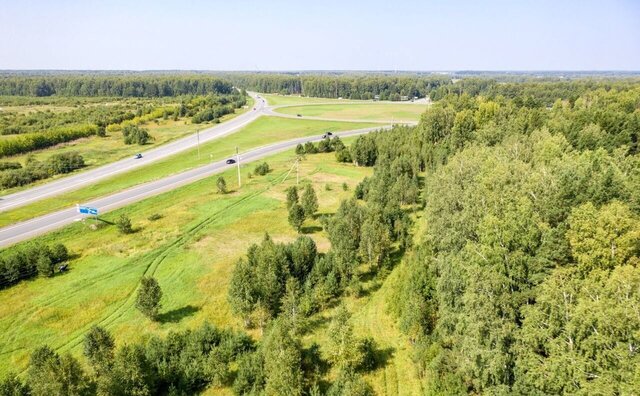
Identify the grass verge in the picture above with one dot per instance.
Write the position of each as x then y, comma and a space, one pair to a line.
98, 151
261, 132
369, 111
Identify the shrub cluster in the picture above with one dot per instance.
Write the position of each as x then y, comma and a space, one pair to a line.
9, 165
37, 170
26, 262
183, 363
34, 141
134, 134
262, 169
326, 145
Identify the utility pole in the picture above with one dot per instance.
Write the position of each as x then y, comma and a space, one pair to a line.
198, 136
238, 162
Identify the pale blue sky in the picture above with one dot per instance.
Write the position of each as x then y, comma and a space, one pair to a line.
314, 35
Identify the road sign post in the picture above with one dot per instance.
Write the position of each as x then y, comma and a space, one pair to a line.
88, 210
238, 162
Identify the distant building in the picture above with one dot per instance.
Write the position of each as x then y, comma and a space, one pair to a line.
404, 98
376, 97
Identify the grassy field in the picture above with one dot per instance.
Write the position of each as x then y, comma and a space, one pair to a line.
369, 111
277, 100
191, 250
263, 131
98, 151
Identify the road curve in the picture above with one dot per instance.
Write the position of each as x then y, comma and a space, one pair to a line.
81, 179
37, 226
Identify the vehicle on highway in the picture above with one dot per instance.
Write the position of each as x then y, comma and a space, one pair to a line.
254, 108
298, 115
329, 134
231, 161
138, 156
326, 135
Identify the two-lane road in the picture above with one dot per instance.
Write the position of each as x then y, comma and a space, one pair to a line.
40, 225
91, 176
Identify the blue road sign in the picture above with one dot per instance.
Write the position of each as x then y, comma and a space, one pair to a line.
87, 210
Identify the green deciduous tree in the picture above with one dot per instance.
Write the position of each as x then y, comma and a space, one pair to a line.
221, 185
148, 297
309, 201
124, 224
344, 348
292, 196
52, 374
296, 216
99, 349
604, 238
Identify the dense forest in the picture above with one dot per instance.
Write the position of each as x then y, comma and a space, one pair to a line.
150, 86
526, 279
514, 225
342, 86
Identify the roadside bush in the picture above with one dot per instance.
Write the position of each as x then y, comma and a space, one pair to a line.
324, 146
134, 134
154, 217
9, 165
26, 262
33, 141
343, 155
310, 148
262, 169
64, 163
221, 184
36, 170
124, 224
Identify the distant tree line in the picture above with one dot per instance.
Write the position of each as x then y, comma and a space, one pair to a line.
29, 261
530, 92
344, 86
150, 86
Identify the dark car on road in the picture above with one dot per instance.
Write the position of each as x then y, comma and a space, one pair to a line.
138, 156
231, 161
298, 115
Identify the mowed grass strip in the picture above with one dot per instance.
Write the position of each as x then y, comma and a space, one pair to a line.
263, 131
281, 100
369, 111
191, 249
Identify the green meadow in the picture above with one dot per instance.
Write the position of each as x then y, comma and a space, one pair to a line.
370, 111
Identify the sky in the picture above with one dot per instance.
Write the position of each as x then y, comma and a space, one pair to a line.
421, 35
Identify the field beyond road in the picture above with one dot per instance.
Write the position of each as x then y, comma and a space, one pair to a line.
369, 111
263, 131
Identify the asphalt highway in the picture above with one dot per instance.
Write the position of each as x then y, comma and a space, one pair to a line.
37, 226
91, 176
